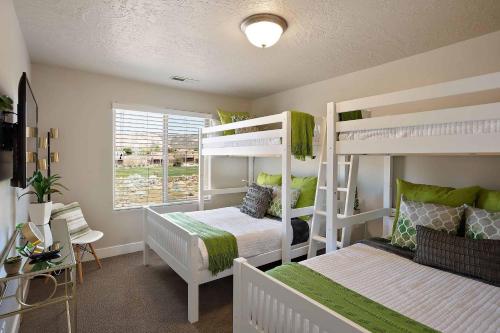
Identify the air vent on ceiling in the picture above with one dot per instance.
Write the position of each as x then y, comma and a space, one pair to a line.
181, 78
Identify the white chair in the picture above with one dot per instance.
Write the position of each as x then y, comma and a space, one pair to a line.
82, 242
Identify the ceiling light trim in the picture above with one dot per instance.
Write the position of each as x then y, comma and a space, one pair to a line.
263, 17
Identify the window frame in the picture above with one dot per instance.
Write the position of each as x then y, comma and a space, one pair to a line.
146, 108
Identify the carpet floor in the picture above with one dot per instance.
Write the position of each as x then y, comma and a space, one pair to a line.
125, 296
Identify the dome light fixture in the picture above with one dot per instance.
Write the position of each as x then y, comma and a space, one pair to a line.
263, 30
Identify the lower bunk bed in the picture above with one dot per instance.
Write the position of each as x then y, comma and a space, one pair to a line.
258, 240
375, 290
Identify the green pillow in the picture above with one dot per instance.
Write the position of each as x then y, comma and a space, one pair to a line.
307, 187
267, 179
489, 200
448, 196
227, 118
275, 208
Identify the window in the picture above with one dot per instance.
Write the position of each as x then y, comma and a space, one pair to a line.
155, 157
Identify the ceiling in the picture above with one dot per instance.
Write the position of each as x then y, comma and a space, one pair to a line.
152, 40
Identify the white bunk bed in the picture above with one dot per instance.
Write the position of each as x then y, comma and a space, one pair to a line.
180, 249
264, 304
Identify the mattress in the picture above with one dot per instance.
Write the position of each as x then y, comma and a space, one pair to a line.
474, 127
253, 236
256, 142
438, 299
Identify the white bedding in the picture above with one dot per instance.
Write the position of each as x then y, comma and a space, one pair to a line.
438, 299
475, 127
253, 236
256, 141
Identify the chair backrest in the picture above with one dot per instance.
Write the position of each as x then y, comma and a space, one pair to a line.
73, 215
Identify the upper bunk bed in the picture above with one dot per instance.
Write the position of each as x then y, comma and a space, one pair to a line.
463, 130
267, 136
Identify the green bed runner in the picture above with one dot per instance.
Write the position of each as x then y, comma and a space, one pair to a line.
361, 310
302, 135
221, 245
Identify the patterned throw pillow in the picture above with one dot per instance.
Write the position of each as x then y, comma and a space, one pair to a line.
275, 207
433, 216
481, 224
72, 213
240, 117
256, 201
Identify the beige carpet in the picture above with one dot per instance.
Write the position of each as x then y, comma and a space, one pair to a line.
125, 296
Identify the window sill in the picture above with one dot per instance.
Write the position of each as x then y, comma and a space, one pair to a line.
171, 204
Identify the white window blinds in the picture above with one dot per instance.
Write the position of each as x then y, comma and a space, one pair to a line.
155, 158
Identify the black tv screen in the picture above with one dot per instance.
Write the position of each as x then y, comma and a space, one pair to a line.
26, 134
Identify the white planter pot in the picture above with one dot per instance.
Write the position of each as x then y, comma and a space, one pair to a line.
40, 212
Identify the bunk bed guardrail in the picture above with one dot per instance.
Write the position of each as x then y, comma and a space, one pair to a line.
263, 304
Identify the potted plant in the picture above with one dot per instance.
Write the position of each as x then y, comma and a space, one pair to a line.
40, 211
6, 104
12, 265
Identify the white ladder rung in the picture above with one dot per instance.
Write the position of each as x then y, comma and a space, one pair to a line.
322, 188
319, 238
342, 189
344, 163
321, 212
322, 239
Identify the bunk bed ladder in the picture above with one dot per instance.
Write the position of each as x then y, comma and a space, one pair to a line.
348, 169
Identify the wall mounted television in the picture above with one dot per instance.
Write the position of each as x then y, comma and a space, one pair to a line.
19, 144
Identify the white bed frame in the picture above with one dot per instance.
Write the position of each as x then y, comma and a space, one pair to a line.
263, 304
179, 248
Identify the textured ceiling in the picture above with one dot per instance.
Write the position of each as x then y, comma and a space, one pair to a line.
151, 40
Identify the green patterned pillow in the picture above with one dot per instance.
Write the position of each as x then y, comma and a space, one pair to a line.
226, 118
481, 224
433, 216
275, 207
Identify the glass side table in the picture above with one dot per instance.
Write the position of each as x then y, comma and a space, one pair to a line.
60, 273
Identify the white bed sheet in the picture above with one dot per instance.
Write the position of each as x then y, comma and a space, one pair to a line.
475, 127
438, 299
257, 141
253, 236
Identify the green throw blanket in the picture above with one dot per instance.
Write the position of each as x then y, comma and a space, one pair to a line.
351, 115
361, 310
221, 245
302, 135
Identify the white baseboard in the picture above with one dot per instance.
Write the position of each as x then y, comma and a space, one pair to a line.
116, 250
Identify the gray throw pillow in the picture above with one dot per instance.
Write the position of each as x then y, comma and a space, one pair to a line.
257, 201
474, 258
481, 224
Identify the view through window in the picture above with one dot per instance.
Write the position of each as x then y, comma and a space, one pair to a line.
155, 157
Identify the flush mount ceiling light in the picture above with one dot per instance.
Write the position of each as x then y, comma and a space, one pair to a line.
263, 30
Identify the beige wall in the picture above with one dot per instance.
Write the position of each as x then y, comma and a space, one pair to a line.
79, 104
14, 60
472, 57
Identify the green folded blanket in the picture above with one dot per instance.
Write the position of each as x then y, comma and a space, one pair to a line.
302, 135
361, 310
221, 245
351, 115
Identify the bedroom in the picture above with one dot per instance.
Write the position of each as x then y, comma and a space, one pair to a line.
86, 60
